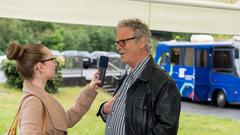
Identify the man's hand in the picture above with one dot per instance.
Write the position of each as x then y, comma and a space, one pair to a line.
107, 107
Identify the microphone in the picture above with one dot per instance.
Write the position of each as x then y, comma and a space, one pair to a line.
102, 67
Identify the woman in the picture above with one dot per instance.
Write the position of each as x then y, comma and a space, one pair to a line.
40, 113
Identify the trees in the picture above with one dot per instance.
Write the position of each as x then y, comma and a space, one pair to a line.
56, 36
71, 37
9, 31
101, 38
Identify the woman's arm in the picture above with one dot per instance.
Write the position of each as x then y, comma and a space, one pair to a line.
83, 102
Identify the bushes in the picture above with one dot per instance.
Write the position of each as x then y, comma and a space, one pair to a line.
14, 80
11, 73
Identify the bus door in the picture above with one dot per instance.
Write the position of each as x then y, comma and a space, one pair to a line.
181, 61
170, 59
202, 69
185, 72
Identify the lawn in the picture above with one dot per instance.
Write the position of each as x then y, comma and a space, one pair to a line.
190, 124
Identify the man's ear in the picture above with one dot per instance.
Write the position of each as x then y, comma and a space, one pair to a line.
143, 42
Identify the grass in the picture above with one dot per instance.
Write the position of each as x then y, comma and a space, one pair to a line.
190, 124
89, 124
206, 125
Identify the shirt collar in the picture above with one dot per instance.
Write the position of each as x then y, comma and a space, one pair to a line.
133, 71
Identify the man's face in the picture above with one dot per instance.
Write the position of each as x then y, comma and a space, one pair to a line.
127, 46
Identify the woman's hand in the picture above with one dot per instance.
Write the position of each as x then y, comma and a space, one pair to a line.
94, 82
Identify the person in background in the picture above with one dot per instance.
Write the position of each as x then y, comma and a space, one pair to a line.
147, 101
40, 113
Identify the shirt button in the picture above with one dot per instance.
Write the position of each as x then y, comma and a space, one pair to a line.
108, 127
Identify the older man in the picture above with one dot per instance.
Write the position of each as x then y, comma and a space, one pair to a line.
147, 101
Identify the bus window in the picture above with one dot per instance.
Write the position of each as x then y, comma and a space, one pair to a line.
163, 60
201, 58
176, 56
188, 56
222, 61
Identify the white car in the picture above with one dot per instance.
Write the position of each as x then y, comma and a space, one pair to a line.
95, 56
76, 56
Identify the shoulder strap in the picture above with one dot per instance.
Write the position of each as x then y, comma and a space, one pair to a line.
13, 128
44, 119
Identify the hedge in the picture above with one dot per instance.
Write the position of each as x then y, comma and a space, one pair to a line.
14, 79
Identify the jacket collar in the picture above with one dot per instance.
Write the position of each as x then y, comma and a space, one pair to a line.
55, 110
144, 76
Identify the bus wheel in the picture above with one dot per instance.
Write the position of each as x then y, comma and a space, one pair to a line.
221, 99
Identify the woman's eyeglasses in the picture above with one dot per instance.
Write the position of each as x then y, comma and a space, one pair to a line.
51, 59
122, 42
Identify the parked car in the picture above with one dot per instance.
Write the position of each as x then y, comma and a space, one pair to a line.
114, 58
86, 58
56, 53
113, 55
73, 58
59, 56
95, 57
72, 61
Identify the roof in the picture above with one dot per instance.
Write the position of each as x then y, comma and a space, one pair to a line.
224, 43
197, 16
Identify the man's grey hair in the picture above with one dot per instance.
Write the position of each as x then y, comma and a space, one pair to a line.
139, 29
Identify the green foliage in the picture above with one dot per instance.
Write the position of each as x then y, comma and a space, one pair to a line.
72, 37
53, 40
14, 79
101, 38
89, 38
56, 36
181, 36
22, 32
161, 35
76, 38
9, 31
1, 53
219, 37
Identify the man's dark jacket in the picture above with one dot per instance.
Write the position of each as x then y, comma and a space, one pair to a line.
152, 103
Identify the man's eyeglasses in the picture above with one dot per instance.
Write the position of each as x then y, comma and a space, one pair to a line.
122, 42
51, 59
